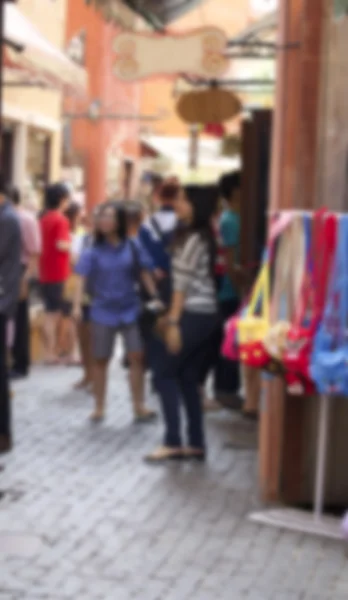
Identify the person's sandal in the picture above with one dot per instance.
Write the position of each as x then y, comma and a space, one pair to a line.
146, 417
97, 417
194, 454
164, 454
82, 384
53, 362
211, 406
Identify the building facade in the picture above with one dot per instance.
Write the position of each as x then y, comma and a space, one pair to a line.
159, 95
32, 115
100, 142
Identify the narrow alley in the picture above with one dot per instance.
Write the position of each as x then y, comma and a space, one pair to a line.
82, 517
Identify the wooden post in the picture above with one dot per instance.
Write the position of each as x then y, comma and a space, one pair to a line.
283, 180
194, 144
293, 175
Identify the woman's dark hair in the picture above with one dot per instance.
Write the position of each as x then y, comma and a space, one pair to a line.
120, 219
54, 195
204, 200
95, 231
14, 195
169, 190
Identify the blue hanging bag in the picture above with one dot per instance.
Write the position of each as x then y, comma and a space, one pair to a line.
329, 361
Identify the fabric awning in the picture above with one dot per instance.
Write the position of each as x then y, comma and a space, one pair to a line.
162, 13
39, 58
157, 13
177, 150
172, 157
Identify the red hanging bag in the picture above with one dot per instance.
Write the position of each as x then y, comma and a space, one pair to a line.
300, 338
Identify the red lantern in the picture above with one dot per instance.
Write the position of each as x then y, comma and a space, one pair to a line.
215, 129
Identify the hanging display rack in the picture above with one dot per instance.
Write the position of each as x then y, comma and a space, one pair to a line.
315, 523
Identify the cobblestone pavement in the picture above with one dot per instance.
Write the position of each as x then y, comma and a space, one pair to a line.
84, 518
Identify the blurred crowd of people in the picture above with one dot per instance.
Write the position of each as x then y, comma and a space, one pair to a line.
164, 283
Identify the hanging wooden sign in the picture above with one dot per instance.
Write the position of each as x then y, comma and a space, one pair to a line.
208, 106
142, 55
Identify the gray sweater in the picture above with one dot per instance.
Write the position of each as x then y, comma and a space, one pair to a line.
192, 275
10, 259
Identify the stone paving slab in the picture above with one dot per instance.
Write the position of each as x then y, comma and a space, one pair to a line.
113, 528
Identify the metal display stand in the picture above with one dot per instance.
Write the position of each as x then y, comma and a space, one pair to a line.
298, 520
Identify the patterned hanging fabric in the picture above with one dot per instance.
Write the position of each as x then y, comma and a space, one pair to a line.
299, 342
329, 359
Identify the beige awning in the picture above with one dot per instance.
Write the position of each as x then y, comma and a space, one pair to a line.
39, 59
174, 152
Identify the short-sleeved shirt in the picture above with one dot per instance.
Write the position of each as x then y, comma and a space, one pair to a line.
112, 275
54, 263
31, 235
230, 237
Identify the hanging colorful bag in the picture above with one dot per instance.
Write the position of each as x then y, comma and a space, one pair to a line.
253, 328
329, 361
289, 260
230, 346
299, 344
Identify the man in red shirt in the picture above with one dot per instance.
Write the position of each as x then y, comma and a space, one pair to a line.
54, 262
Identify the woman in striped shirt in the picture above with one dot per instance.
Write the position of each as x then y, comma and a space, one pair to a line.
190, 324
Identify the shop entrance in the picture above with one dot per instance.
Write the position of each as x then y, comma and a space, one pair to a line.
256, 155
39, 158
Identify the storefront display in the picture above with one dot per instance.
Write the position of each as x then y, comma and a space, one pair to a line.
288, 340
315, 354
329, 359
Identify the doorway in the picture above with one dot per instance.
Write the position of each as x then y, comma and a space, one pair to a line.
256, 156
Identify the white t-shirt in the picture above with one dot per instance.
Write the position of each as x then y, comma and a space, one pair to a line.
76, 245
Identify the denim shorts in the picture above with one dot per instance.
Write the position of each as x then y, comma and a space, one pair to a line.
104, 337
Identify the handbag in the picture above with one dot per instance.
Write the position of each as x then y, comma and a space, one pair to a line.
253, 328
289, 260
230, 346
299, 343
329, 360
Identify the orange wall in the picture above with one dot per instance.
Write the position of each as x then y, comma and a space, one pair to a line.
157, 95
92, 139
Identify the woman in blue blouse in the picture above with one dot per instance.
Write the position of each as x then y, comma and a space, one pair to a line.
111, 269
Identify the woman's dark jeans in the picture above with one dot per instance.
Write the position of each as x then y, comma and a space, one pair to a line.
178, 377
